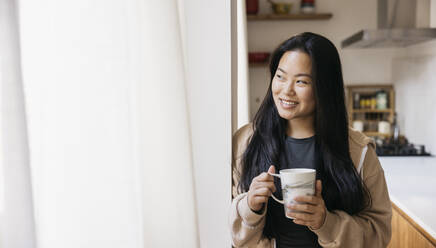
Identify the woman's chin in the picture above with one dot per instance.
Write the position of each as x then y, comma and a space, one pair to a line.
287, 116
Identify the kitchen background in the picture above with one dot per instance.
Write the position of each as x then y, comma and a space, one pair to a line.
411, 70
395, 86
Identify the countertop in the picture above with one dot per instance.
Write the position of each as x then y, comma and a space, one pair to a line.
412, 187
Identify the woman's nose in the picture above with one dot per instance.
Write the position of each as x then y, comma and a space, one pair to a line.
290, 87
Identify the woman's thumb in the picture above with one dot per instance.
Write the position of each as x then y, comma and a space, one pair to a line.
318, 188
272, 169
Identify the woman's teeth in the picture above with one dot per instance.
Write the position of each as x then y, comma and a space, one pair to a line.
288, 103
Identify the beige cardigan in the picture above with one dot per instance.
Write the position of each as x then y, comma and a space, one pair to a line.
370, 228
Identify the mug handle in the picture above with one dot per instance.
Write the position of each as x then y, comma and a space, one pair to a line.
272, 195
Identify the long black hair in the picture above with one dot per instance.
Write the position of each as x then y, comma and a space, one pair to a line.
343, 189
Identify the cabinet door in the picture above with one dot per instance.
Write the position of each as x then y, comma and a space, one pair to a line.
406, 233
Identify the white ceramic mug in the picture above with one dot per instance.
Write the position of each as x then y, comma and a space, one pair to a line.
295, 182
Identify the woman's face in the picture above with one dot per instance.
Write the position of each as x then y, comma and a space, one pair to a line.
292, 87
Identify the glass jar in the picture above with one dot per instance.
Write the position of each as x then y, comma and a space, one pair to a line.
382, 100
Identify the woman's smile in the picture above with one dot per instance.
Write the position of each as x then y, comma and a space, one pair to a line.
288, 104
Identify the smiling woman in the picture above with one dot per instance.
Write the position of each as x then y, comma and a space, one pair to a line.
302, 123
292, 88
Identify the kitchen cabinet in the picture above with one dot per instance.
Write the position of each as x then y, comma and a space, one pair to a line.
407, 233
412, 188
368, 105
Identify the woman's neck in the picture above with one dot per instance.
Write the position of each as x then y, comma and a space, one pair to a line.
301, 128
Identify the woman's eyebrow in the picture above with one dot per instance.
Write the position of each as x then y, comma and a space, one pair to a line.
282, 70
296, 75
303, 75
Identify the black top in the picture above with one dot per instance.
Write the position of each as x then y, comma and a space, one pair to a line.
299, 153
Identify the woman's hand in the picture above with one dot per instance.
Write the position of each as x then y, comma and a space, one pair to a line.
312, 207
261, 189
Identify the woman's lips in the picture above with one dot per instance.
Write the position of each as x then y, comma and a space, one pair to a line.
288, 104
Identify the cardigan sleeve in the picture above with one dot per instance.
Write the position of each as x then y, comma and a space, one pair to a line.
246, 226
369, 228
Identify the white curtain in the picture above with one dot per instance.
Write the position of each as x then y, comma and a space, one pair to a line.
121, 110
243, 75
16, 207
165, 143
108, 124
209, 75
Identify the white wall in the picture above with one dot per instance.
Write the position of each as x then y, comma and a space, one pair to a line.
414, 75
414, 78
359, 65
208, 43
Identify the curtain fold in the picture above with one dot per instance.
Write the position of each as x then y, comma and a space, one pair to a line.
165, 140
243, 75
108, 124
17, 229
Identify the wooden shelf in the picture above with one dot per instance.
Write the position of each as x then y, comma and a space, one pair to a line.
371, 121
272, 17
371, 110
376, 134
371, 117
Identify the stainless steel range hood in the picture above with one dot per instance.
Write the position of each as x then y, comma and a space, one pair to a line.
400, 23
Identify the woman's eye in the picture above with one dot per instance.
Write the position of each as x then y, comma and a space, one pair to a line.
302, 82
279, 76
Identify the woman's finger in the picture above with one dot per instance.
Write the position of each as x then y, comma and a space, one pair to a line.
318, 188
258, 199
307, 199
302, 222
306, 208
264, 191
302, 216
269, 185
264, 177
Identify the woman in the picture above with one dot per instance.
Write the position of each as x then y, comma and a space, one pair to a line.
303, 123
